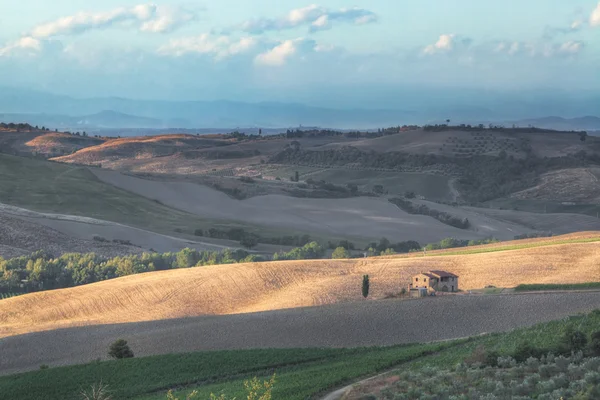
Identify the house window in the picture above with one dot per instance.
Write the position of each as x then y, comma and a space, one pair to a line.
417, 279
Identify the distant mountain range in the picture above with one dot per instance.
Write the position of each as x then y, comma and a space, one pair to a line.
68, 113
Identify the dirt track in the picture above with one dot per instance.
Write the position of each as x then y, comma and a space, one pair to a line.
364, 323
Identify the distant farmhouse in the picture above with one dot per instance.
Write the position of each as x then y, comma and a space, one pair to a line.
433, 281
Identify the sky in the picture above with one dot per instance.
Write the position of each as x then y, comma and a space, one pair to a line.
336, 51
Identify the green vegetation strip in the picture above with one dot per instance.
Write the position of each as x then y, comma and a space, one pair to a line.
301, 373
557, 286
513, 247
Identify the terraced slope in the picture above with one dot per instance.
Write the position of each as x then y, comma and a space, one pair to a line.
243, 288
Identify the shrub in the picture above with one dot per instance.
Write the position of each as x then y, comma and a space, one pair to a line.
198, 232
97, 391
249, 240
340, 253
120, 349
573, 340
595, 343
525, 350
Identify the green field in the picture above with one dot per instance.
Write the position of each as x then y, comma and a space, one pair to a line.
301, 373
558, 286
492, 249
60, 188
542, 206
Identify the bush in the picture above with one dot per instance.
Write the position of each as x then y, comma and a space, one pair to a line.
198, 232
595, 343
120, 349
525, 350
340, 253
573, 340
249, 240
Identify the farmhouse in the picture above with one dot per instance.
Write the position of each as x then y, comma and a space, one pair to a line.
434, 281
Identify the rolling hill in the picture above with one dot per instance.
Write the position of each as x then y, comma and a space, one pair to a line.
244, 288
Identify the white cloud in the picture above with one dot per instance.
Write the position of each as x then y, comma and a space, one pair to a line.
570, 48
27, 44
543, 49
167, 19
281, 53
447, 43
147, 17
278, 55
217, 46
595, 17
321, 23
317, 17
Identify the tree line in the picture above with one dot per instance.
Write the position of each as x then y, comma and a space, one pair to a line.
42, 271
422, 209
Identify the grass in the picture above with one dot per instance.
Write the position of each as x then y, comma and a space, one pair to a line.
301, 373
513, 246
60, 188
557, 286
7, 295
434, 187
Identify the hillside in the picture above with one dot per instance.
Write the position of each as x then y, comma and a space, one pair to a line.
243, 288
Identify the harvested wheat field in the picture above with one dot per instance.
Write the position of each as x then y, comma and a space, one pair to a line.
357, 324
244, 288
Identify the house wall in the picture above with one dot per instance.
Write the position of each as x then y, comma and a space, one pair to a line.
423, 281
449, 284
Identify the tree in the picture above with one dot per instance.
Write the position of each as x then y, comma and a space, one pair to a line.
249, 240
365, 286
378, 189
595, 343
120, 349
296, 176
198, 232
583, 136
340, 253
574, 340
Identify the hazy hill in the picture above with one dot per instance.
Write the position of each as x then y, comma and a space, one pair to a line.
588, 123
410, 106
190, 114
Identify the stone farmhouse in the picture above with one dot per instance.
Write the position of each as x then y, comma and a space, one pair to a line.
434, 281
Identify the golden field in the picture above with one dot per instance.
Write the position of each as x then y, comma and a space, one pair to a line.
243, 288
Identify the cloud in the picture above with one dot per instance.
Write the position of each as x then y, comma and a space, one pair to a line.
595, 17
546, 50
570, 48
447, 43
218, 46
25, 44
147, 17
281, 53
317, 17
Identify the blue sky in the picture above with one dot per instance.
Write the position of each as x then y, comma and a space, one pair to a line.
296, 51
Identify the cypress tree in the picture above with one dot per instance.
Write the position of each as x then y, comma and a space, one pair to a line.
365, 286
